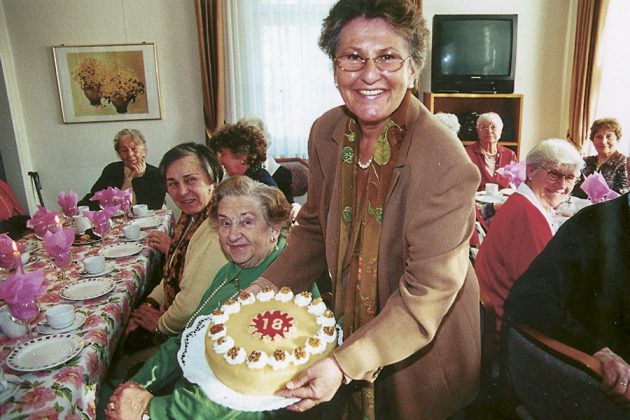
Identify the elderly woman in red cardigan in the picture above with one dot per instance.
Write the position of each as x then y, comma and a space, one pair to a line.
487, 154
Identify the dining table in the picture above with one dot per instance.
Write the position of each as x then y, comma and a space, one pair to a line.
56, 374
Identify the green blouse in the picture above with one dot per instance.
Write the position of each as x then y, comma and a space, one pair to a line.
187, 400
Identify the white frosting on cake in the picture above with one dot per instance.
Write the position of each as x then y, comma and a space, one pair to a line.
328, 338
315, 346
303, 299
260, 363
223, 344
222, 332
279, 363
231, 307
237, 358
317, 307
325, 321
284, 295
246, 299
219, 317
265, 295
300, 361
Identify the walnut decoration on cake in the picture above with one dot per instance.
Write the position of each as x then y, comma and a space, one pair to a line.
256, 344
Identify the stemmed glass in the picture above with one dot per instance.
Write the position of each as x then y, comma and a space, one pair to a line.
101, 228
62, 260
24, 313
7, 261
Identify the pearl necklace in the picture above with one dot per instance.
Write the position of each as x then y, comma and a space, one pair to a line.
365, 165
209, 298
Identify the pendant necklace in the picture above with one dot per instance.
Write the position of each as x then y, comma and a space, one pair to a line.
209, 298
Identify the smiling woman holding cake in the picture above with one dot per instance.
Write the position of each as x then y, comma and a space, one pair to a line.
252, 220
389, 214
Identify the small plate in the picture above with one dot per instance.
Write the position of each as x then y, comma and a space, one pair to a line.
121, 250
87, 289
143, 235
109, 267
148, 222
86, 238
44, 328
150, 213
44, 352
11, 388
488, 199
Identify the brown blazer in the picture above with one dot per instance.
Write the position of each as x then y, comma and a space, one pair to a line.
426, 335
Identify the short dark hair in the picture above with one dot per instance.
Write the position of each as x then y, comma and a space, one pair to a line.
402, 15
207, 159
244, 137
608, 123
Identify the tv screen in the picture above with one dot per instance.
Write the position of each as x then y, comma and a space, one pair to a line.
473, 53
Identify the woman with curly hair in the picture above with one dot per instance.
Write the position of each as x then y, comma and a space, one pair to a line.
242, 148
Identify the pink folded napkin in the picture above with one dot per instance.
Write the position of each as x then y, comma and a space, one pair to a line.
105, 197
123, 198
59, 241
516, 172
7, 251
19, 289
68, 203
596, 187
43, 220
100, 219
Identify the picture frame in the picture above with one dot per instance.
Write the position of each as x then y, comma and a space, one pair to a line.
100, 83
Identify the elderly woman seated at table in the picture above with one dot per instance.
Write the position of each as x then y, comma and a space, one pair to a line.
242, 149
577, 290
525, 223
192, 255
131, 172
487, 154
245, 212
610, 162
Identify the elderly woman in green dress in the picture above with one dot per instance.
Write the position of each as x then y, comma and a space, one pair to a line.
251, 219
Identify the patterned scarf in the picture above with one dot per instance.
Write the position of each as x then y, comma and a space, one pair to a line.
356, 295
176, 257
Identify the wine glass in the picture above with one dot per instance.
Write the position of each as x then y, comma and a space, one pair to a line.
25, 312
101, 227
7, 260
62, 260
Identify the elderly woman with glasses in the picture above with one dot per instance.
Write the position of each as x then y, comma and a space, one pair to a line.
525, 223
389, 215
487, 154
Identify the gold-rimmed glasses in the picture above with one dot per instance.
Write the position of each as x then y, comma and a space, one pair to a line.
386, 62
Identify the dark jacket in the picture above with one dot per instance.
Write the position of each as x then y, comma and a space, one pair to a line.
149, 188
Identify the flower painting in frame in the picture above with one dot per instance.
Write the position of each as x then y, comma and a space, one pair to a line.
107, 82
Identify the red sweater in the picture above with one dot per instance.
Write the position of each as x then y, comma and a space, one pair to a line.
518, 233
505, 157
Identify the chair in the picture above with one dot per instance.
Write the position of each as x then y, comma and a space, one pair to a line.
553, 380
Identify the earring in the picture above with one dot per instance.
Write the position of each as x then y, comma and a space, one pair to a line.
273, 237
243, 162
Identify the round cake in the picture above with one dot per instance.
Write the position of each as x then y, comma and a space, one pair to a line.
256, 344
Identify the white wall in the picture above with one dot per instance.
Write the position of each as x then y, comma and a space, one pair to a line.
544, 45
71, 156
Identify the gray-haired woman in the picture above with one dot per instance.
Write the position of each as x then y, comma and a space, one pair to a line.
132, 171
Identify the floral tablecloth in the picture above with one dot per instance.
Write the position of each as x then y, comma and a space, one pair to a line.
69, 391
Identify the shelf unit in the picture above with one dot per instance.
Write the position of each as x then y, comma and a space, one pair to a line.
508, 106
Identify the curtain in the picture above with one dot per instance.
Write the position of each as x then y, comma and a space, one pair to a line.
583, 87
275, 71
210, 31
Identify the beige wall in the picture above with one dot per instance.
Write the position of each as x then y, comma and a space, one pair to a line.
71, 156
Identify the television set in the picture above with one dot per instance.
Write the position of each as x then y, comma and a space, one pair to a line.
473, 53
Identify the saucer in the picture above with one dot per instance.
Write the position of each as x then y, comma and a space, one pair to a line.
11, 388
44, 328
109, 267
143, 235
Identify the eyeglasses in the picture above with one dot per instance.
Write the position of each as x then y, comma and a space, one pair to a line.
488, 127
555, 176
386, 62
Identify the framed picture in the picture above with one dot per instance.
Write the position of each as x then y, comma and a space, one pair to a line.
107, 82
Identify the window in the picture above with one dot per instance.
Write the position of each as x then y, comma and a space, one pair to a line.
276, 71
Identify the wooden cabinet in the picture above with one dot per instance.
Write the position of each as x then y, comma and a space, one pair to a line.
508, 106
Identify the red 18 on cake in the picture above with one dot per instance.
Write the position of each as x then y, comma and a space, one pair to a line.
256, 344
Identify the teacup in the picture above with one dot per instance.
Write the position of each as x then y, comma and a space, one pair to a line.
82, 210
25, 256
492, 189
94, 264
132, 231
60, 316
82, 223
10, 327
140, 210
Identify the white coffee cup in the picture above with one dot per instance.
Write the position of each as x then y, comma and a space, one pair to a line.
492, 189
140, 210
9, 326
25, 256
60, 316
82, 223
82, 210
94, 264
132, 231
